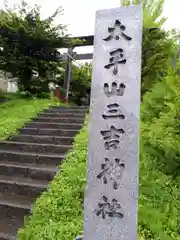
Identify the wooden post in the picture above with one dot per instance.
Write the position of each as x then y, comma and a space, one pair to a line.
68, 74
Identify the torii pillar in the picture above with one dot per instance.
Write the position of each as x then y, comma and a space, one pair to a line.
67, 77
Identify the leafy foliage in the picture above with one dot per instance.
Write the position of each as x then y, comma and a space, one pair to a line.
29, 45
152, 11
157, 53
158, 47
159, 159
161, 132
80, 82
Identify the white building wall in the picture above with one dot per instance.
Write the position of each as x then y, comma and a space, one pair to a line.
12, 87
7, 83
3, 82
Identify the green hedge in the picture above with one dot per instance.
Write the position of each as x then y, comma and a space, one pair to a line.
160, 160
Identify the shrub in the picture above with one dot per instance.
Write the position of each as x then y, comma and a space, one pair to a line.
158, 46
156, 101
161, 127
81, 83
157, 52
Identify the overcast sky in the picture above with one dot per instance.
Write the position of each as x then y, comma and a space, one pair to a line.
79, 15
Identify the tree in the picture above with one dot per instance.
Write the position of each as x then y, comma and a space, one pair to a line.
152, 11
80, 82
30, 45
157, 53
158, 48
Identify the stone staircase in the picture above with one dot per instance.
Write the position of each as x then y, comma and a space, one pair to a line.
28, 162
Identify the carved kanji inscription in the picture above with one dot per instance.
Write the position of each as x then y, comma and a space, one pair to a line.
114, 89
117, 57
112, 170
117, 31
108, 208
112, 137
113, 111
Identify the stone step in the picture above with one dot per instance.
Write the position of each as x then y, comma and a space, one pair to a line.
50, 160
63, 115
70, 110
12, 216
27, 171
74, 126
21, 187
42, 139
72, 106
20, 202
4, 236
33, 147
59, 120
49, 131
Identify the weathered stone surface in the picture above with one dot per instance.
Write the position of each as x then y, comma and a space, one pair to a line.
50, 132
59, 120
27, 171
34, 147
9, 222
42, 139
49, 160
73, 126
63, 114
11, 186
111, 198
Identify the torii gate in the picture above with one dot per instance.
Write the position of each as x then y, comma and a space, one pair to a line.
86, 41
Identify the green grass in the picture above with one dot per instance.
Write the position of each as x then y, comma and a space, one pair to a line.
16, 112
8, 95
